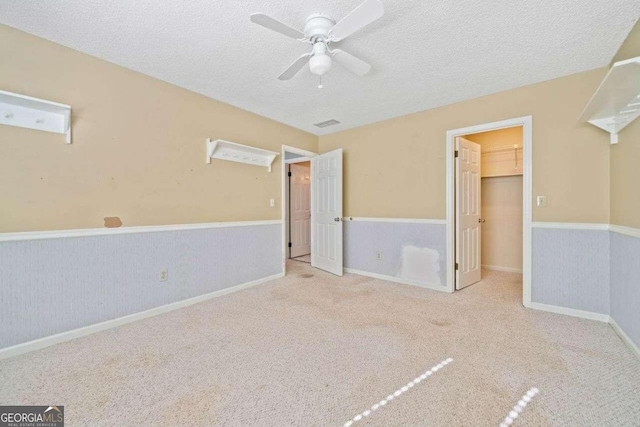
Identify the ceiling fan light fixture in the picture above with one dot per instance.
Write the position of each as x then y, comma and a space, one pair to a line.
320, 64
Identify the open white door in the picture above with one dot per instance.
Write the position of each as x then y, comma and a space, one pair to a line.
468, 221
300, 200
326, 212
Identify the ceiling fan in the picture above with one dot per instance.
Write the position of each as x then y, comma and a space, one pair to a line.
320, 31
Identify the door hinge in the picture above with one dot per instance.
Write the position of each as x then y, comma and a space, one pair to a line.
456, 265
455, 153
289, 244
289, 174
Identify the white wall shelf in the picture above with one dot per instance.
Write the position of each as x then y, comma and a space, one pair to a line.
33, 113
226, 150
616, 102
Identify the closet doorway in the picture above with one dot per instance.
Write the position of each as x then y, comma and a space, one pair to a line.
489, 202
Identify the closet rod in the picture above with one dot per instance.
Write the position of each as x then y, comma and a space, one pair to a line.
501, 150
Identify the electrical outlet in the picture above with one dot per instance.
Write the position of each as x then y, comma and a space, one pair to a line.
541, 201
272, 203
164, 275
379, 255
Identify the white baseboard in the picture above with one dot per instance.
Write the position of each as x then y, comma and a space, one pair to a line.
506, 269
625, 338
570, 312
109, 324
396, 280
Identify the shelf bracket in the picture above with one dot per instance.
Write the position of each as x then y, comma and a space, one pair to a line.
67, 126
211, 147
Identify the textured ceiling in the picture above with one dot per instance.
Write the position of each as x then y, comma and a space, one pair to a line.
424, 53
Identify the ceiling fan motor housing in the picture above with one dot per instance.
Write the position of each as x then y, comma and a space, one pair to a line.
318, 26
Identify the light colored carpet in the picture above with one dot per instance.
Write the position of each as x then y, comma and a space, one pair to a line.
303, 258
312, 349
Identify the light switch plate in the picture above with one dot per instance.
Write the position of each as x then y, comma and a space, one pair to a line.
541, 201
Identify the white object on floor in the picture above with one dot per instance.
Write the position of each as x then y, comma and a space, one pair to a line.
519, 407
399, 391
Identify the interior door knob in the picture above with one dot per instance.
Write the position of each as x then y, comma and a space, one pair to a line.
337, 219
481, 220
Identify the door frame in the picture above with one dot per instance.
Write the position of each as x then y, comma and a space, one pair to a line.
284, 194
527, 195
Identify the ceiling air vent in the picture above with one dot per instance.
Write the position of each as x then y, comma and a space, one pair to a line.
327, 123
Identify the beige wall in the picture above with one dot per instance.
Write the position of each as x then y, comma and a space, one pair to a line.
139, 143
625, 177
625, 156
502, 231
396, 168
138, 148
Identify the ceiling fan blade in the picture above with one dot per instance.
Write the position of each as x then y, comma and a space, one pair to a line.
350, 62
295, 67
359, 17
272, 24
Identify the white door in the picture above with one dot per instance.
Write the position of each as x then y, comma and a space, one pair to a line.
468, 221
326, 212
300, 202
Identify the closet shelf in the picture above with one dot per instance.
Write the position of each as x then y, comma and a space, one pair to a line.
234, 152
502, 150
33, 113
616, 102
502, 161
502, 175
